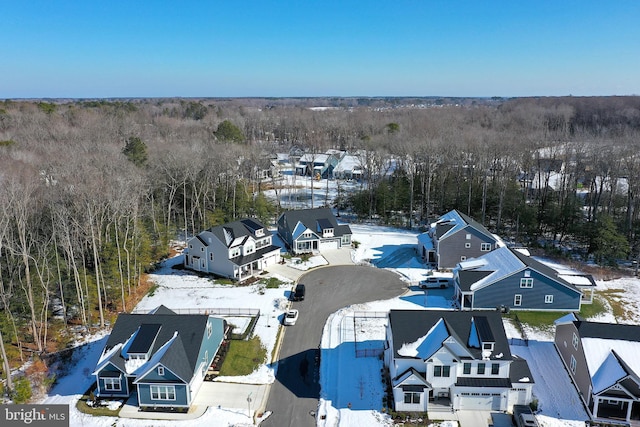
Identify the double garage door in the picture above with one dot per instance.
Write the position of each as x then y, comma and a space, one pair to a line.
328, 245
480, 401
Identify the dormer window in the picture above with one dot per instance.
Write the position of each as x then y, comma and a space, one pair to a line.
488, 346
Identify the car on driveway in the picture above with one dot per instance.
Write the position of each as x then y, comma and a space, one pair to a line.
435, 282
290, 317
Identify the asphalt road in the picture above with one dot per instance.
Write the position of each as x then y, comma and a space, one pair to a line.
293, 398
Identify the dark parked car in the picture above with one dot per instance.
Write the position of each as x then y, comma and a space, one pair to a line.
298, 293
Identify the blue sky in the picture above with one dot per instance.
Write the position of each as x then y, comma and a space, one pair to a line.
229, 48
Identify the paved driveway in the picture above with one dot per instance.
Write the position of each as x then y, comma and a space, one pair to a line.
293, 398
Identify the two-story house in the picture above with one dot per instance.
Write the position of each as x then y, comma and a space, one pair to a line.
163, 356
311, 230
510, 278
236, 250
458, 359
455, 237
602, 360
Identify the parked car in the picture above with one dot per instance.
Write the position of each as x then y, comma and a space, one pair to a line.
298, 293
435, 282
290, 317
523, 417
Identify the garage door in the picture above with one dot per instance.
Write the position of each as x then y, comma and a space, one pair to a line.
480, 401
331, 244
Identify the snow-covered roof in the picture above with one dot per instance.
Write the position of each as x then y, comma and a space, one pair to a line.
607, 374
598, 350
577, 280
428, 344
502, 262
348, 163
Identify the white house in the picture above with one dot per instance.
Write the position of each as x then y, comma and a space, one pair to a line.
237, 250
458, 360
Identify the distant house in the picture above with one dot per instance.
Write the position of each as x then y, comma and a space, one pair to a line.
602, 360
453, 360
309, 230
237, 250
349, 167
455, 237
319, 164
509, 278
163, 356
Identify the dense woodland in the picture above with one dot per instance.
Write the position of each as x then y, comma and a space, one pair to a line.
92, 192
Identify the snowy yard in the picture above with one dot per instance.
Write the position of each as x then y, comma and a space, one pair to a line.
352, 388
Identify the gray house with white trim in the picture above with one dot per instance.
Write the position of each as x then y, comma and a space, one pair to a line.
236, 250
163, 356
509, 278
453, 238
602, 360
312, 230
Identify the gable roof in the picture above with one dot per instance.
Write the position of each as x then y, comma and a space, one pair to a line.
501, 263
313, 219
611, 350
419, 333
233, 233
454, 221
184, 331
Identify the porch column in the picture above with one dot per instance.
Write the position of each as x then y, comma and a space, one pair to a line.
629, 405
595, 406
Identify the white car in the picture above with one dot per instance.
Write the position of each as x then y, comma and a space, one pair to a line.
290, 317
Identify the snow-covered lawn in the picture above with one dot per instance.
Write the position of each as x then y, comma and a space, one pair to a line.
352, 388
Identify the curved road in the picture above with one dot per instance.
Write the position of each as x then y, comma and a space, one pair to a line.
293, 398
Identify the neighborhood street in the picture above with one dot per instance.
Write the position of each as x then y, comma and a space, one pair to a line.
293, 398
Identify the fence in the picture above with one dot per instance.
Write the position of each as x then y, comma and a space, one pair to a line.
377, 351
211, 311
369, 352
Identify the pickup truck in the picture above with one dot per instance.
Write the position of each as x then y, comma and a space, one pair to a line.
523, 417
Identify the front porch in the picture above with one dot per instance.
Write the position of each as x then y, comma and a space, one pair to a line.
623, 412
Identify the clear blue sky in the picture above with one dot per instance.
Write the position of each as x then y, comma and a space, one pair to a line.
220, 48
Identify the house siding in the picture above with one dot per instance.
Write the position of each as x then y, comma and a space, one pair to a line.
564, 344
503, 291
451, 248
144, 396
102, 391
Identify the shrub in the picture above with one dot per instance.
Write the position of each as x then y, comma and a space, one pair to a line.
21, 390
355, 244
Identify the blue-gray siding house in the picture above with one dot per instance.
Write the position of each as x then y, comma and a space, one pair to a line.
453, 238
511, 279
162, 355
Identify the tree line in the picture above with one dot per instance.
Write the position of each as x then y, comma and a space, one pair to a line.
93, 192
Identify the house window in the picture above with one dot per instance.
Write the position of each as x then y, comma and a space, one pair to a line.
441, 371
481, 367
526, 283
201, 249
574, 341
468, 237
466, 369
463, 258
495, 368
190, 246
485, 247
112, 384
211, 256
345, 239
527, 273
412, 398
548, 299
467, 245
160, 370
209, 329
517, 300
487, 346
573, 364
163, 392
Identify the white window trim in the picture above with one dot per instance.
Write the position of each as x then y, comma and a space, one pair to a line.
467, 245
162, 392
573, 364
463, 258
548, 299
517, 300
575, 341
468, 236
161, 370
526, 283
485, 247
112, 384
